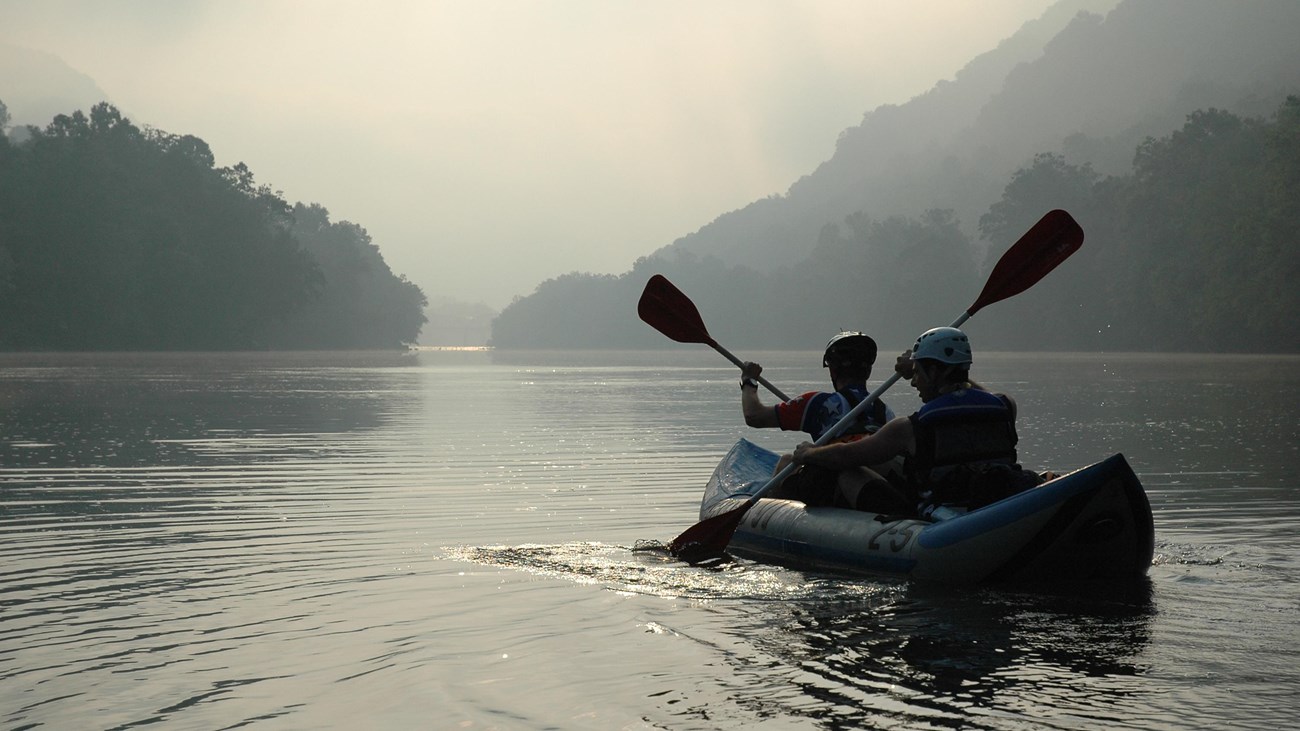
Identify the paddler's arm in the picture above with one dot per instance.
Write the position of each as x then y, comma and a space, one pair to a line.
893, 439
756, 413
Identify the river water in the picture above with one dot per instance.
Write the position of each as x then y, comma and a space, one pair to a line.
441, 540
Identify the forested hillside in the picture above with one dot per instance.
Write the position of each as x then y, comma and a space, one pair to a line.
1194, 250
892, 234
114, 237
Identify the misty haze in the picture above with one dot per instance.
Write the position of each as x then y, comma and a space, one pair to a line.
393, 365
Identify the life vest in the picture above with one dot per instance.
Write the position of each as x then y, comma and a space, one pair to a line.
965, 450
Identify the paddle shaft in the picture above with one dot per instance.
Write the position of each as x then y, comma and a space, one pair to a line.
739, 364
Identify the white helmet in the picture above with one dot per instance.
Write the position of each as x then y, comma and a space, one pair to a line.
944, 344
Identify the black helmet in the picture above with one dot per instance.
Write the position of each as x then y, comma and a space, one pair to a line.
850, 351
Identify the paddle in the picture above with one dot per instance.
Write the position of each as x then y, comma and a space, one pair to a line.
1040, 250
668, 310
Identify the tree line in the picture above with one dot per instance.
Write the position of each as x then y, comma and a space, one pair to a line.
1193, 250
116, 237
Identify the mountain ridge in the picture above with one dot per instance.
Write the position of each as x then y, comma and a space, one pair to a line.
883, 166
36, 86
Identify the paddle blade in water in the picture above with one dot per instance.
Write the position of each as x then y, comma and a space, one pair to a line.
668, 310
1051, 241
708, 538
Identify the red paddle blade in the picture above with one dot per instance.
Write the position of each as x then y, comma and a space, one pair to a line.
668, 310
1051, 241
708, 538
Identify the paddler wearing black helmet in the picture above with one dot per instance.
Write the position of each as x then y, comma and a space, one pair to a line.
848, 357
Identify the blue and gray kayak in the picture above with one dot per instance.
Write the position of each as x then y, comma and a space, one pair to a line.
1091, 525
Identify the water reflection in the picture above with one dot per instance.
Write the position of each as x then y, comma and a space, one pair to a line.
848, 653
957, 659
123, 409
174, 440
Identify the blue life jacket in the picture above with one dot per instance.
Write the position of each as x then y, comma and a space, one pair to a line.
965, 450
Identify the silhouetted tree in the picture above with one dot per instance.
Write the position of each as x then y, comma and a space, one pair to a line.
357, 301
114, 237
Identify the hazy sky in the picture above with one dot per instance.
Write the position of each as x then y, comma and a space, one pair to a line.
488, 145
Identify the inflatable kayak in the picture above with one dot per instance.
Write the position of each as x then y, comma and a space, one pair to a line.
1093, 524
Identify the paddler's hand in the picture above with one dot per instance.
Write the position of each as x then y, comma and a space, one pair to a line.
750, 370
801, 452
905, 366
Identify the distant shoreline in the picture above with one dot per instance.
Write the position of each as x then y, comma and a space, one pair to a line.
463, 348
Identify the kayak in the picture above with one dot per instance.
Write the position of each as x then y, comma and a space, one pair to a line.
1091, 525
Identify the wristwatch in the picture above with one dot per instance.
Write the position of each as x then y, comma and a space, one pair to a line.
748, 383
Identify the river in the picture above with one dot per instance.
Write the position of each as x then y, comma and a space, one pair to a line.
442, 540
